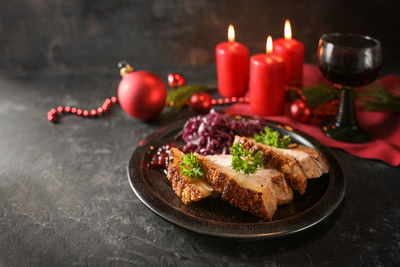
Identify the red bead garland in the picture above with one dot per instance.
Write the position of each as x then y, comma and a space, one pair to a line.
198, 105
51, 115
226, 100
229, 100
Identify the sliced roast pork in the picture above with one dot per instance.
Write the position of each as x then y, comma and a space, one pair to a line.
188, 189
298, 162
258, 193
271, 178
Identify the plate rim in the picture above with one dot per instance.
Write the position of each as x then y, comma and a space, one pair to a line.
338, 189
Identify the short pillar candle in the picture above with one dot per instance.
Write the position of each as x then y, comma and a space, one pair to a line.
292, 52
232, 66
267, 83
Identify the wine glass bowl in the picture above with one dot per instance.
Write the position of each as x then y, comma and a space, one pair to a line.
348, 60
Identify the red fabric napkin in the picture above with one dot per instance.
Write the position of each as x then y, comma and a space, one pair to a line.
384, 126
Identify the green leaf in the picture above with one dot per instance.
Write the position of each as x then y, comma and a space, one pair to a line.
191, 166
319, 94
179, 96
244, 160
379, 99
271, 138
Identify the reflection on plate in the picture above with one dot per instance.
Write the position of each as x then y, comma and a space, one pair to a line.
217, 217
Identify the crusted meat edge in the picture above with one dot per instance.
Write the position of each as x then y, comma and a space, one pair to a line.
275, 160
278, 180
243, 198
187, 192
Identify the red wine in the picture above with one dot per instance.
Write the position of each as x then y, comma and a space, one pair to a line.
349, 77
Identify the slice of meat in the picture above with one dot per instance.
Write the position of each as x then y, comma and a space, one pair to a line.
274, 158
272, 178
312, 163
188, 189
258, 193
298, 162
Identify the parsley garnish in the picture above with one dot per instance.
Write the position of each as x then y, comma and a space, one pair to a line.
192, 167
244, 160
271, 138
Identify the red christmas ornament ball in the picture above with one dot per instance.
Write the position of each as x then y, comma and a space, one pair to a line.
300, 111
142, 94
175, 80
201, 102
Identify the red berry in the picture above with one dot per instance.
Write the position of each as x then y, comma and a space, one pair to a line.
85, 113
161, 160
213, 101
220, 101
114, 99
60, 109
53, 111
227, 100
93, 112
234, 99
100, 110
79, 111
154, 161
186, 149
166, 162
73, 110
67, 109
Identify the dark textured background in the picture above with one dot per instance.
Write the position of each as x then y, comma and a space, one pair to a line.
65, 199
83, 34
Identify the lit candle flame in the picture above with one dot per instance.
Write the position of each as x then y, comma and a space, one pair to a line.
231, 33
269, 46
288, 30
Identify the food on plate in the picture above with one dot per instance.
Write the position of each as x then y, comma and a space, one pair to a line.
297, 162
240, 190
311, 162
160, 159
258, 175
272, 179
245, 160
189, 189
259, 193
272, 138
214, 133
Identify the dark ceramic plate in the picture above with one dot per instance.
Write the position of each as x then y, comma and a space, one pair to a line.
213, 216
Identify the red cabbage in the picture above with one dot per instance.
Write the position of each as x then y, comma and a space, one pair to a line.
214, 133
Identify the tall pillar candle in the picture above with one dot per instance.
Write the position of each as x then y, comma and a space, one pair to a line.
292, 52
267, 83
232, 66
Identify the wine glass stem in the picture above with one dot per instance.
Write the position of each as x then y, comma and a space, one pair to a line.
347, 111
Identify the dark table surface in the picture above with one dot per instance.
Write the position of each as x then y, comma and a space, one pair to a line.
65, 197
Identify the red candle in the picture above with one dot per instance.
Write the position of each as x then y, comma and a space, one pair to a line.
232, 66
292, 52
267, 83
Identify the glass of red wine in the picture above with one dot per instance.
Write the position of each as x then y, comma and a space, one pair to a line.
348, 60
